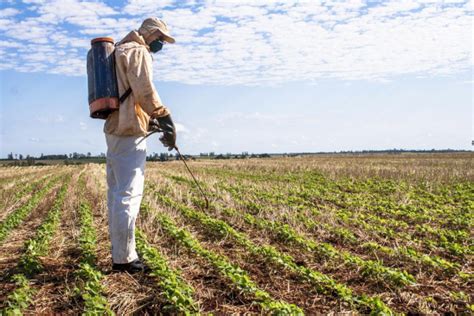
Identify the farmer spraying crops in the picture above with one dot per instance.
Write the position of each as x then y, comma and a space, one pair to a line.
125, 129
121, 91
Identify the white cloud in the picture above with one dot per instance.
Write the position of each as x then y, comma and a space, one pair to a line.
253, 42
73, 11
5, 23
48, 119
8, 12
29, 30
149, 7
10, 44
180, 128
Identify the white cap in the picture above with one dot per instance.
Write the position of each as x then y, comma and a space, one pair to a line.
151, 25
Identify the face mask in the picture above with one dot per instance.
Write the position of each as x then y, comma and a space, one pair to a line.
156, 46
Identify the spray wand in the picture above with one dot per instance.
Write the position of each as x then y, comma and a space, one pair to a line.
157, 130
195, 181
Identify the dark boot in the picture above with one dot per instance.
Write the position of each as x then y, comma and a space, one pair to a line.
131, 267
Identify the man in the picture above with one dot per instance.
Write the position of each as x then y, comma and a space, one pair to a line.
125, 128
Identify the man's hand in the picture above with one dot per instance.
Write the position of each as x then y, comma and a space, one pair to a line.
153, 125
166, 126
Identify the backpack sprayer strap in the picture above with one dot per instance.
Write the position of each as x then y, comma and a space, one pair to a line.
125, 95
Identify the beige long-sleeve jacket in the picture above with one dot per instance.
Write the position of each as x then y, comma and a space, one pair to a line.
134, 69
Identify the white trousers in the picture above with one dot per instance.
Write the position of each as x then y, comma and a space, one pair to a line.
125, 179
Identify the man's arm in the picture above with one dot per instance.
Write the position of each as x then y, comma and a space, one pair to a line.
140, 76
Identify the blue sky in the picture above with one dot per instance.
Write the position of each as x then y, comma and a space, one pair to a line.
256, 76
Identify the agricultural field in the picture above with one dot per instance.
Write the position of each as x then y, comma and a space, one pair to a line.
380, 234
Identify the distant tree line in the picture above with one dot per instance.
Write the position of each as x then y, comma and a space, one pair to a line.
383, 151
168, 157
75, 157
19, 159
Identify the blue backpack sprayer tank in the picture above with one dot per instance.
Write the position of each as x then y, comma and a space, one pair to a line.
102, 79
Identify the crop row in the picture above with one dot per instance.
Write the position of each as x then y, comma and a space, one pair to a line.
21, 176
175, 290
20, 190
90, 289
17, 216
38, 246
323, 283
30, 262
20, 298
238, 277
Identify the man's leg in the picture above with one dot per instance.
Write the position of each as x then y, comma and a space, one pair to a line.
127, 164
111, 189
